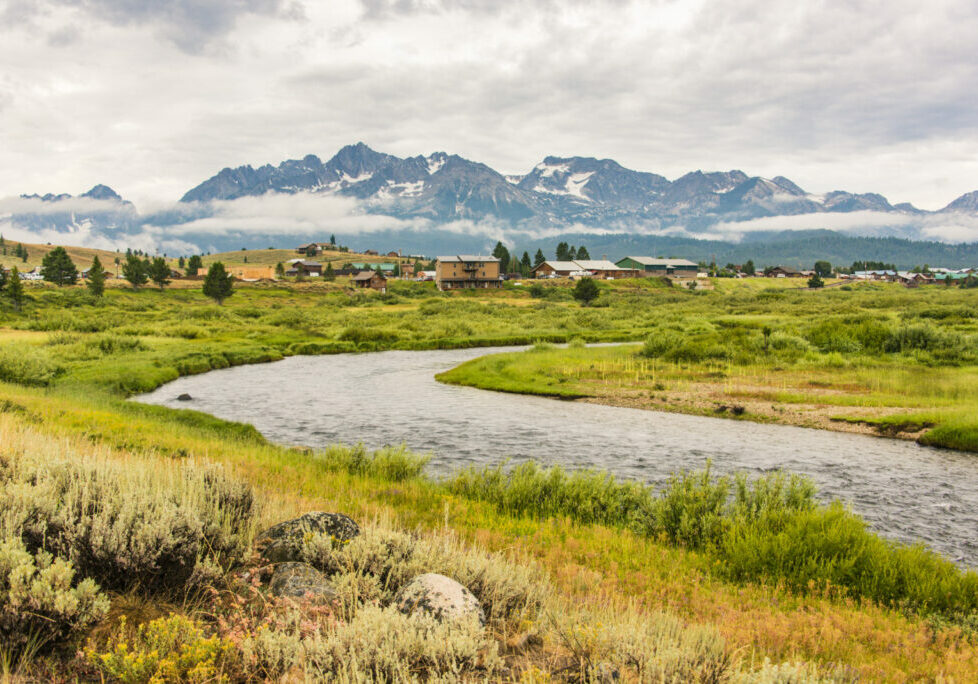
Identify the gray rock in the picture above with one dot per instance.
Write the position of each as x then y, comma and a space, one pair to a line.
439, 596
185, 397
297, 580
282, 543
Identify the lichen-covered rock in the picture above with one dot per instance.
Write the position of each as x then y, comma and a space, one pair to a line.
441, 597
296, 580
282, 543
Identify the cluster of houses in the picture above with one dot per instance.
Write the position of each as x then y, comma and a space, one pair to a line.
914, 278
479, 271
629, 267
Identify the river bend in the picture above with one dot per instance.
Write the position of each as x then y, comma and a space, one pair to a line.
906, 491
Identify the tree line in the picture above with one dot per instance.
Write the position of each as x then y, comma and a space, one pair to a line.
58, 268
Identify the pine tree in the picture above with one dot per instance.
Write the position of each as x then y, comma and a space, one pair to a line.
329, 275
159, 272
96, 278
218, 284
3, 279
586, 291
562, 249
58, 268
181, 264
15, 289
538, 258
332, 240
194, 264
501, 253
571, 253
279, 270
582, 253
525, 264
134, 270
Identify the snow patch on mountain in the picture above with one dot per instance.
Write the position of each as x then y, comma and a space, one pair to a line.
435, 162
547, 170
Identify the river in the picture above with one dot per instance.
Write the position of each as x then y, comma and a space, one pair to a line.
906, 491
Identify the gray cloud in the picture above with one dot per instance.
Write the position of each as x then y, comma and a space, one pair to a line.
864, 95
190, 24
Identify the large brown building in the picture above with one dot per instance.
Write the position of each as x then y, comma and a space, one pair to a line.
467, 271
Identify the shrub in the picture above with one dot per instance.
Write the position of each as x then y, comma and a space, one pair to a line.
833, 335
651, 648
381, 644
915, 336
660, 343
27, 366
113, 344
129, 524
394, 464
690, 512
376, 564
170, 649
40, 602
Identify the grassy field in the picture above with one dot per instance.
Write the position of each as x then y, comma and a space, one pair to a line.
67, 363
884, 361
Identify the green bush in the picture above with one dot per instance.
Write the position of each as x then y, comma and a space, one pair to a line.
40, 602
170, 649
394, 464
771, 528
28, 366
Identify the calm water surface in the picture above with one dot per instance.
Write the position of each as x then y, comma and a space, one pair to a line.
906, 491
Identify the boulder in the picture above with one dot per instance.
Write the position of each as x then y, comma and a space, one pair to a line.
185, 397
296, 580
282, 543
439, 596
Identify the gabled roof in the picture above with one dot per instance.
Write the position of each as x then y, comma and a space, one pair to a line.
561, 265
467, 257
652, 261
368, 275
597, 265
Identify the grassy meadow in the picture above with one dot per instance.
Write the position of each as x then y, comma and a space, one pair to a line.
876, 359
581, 575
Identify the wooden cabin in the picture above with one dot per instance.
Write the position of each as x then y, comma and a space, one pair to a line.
371, 279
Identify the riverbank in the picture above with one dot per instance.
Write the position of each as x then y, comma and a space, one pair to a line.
901, 399
615, 378
69, 362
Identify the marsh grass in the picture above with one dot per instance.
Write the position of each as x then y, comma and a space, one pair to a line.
769, 529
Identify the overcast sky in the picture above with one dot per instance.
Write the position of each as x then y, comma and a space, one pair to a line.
153, 97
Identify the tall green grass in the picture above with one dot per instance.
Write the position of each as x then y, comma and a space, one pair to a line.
771, 529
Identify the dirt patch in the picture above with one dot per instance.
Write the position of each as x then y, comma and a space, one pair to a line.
709, 399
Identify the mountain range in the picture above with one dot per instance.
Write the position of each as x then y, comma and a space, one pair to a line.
557, 191
442, 203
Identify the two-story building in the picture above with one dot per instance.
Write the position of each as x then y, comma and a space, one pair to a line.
467, 271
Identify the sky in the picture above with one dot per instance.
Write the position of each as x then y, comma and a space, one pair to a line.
151, 98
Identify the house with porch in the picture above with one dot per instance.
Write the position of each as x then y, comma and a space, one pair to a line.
467, 271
